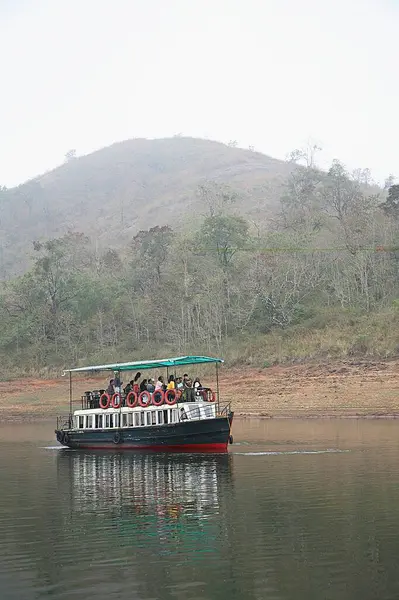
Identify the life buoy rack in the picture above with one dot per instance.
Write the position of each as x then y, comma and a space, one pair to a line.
161, 397
129, 402
143, 395
116, 401
107, 399
169, 400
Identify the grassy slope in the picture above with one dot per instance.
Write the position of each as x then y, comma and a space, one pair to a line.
333, 334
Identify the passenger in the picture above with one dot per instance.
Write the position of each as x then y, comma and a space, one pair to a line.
151, 386
136, 387
186, 381
129, 387
159, 384
110, 388
171, 383
117, 383
179, 383
197, 387
143, 385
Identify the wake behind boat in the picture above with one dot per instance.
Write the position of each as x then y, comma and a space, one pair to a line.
183, 419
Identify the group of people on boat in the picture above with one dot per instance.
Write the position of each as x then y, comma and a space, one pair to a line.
150, 385
184, 386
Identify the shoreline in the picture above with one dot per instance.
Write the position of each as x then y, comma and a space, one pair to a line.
333, 390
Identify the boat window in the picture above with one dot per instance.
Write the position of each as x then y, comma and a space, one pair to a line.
154, 417
99, 421
124, 420
89, 420
80, 421
116, 421
165, 416
136, 419
160, 417
148, 418
130, 419
107, 420
142, 422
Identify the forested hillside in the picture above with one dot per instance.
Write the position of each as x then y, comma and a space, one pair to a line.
318, 280
137, 184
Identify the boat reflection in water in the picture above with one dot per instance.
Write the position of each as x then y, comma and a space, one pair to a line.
162, 503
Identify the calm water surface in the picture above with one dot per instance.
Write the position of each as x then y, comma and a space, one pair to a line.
298, 510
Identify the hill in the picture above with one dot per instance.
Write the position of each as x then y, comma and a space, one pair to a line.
113, 193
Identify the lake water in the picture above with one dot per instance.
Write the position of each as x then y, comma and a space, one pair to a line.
298, 510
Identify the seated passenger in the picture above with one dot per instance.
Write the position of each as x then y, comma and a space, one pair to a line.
197, 384
143, 386
171, 383
179, 383
151, 386
159, 384
129, 387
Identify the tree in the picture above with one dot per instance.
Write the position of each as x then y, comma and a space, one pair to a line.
56, 268
152, 246
224, 235
391, 204
305, 154
218, 198
301, 204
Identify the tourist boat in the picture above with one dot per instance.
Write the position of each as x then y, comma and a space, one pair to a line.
185, 420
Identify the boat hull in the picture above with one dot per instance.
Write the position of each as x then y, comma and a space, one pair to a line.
207, 435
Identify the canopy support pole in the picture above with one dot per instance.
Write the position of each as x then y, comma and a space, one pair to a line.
70, 400
217, 385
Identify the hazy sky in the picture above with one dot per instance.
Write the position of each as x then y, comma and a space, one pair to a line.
268, 73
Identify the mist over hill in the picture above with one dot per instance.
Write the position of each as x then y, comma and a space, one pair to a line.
132, 185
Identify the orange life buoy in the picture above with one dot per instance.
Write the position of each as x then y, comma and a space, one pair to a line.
116, 397
143, 395
107, 403
160, 395
129, 402
173, 399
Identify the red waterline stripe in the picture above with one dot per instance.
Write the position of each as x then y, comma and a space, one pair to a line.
221, 447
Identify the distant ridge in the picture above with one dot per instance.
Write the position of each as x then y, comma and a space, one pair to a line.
135, 184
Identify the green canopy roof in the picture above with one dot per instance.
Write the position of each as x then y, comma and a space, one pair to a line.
163, 363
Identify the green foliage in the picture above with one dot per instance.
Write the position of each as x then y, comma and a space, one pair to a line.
311, 285
224, 235
391, 204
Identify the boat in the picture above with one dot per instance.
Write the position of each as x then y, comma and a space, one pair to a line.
178, 420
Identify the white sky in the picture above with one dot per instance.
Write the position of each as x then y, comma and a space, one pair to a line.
269, 73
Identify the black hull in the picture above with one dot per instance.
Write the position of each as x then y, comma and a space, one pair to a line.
208, 435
